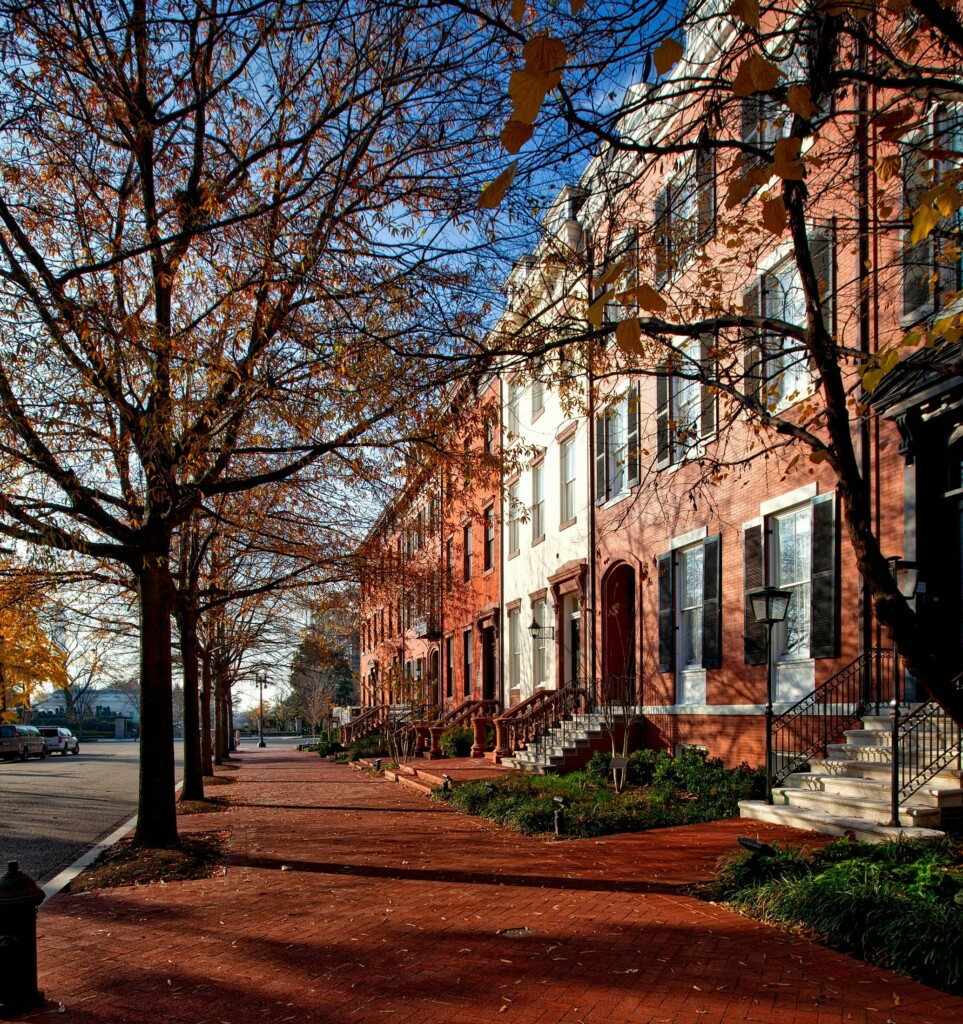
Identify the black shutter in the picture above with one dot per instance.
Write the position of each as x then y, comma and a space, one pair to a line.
751, 339
666, 614
705, 172
663, 251
824, 618
754, 576
823, 251
918, 258
632, 419
712, 602
601, 483
707, 425
663, 448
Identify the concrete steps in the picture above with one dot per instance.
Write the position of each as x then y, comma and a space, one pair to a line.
848, 792
567, 748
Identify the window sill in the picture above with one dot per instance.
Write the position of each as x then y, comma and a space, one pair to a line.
538, 540
513, 554
567, 523
488, 572
536, 416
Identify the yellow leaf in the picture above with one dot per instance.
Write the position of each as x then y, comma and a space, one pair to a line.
514, 135
528, 90
648, 298
924, 220
613, 273
755, 74
821, 456
518, 10
542, 53
788, 165
598, 307
799, 100
739, 189
666, 55
577, 5
494, 192
628, 336
888, 166
774, 215
945, 198
747, 11
888, 359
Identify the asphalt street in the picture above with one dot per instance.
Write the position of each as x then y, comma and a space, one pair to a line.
51, 811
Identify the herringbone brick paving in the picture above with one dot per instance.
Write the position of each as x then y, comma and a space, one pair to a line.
348, 899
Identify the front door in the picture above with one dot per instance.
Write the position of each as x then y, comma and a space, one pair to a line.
488, 663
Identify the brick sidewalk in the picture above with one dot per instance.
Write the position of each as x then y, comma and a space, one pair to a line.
348, 899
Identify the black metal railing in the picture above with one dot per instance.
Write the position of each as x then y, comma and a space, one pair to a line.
925, 742
806, 729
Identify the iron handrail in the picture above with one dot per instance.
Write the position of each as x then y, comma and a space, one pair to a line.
466, 711
364, 725
806, 729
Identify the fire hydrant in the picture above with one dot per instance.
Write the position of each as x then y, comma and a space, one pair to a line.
19, 898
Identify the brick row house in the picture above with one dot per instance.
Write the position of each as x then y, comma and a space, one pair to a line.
640, 502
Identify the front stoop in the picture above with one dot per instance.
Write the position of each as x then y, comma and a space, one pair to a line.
565, 749
848, 793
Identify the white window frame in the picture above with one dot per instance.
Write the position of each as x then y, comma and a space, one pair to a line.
540, 646
538, 501
515, 648
568, 478
514, 519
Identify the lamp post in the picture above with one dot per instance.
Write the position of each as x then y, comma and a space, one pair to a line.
905, 575
261, 683
769, 606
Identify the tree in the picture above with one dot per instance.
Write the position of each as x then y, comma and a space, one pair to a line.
201, 287
793, 120
29, 659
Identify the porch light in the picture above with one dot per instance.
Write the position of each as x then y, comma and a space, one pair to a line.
769, 606
537, 632
906, 573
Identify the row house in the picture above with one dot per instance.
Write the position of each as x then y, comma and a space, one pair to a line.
639, 505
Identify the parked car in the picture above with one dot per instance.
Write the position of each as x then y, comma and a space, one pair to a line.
56, 737
21, 741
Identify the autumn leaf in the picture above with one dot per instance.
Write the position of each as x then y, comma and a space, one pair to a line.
514, 135
799, 100
494, 192
924, 220
946, 198
577, 5
518, 10
628, 336
613, 273
820, 456
774, 215
667, 54
888, 166
788, 165
648, 298
598, 307
739, 190
755, 74
528, 90
747, 11
542, 53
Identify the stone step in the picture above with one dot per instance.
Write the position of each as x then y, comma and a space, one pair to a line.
829, 824
845, 752
852, 787
948, 778
854, 807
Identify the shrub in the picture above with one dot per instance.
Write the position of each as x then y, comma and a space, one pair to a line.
599, 767
456, 742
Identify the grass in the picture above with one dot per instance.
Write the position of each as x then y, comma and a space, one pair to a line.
684, 790
898, 905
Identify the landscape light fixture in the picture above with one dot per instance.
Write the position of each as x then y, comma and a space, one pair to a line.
769, 606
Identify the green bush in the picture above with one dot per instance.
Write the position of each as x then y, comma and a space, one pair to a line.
456, 742
882, 902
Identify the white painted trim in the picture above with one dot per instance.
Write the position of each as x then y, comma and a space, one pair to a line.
722, 710
796, 497
685, 539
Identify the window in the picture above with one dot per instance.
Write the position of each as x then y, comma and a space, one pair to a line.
538, 398
690, 635
514, 511
489, 435
620, 273
763, 123
540, 666
515, 648
489, 554
685, 404
796, 550
684, 215
617, 447
931, 267
513, 419
466, 639
466, 541
450, 564
538, 501
450, 666
566, 453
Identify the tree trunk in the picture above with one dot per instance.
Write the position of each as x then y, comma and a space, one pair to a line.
156, 808
220, 736
207, 749
193, 760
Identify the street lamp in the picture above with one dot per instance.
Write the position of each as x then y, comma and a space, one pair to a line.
769, 606
905, 575
261, 683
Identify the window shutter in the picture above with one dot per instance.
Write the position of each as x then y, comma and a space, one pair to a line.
705, 170
754, 575
917, 259
663, 446
666, 614
752, 350
660, 220
712, 602
946, 236
632, 418
707, 425
601, 484
824, 619
823, 251
751, 116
